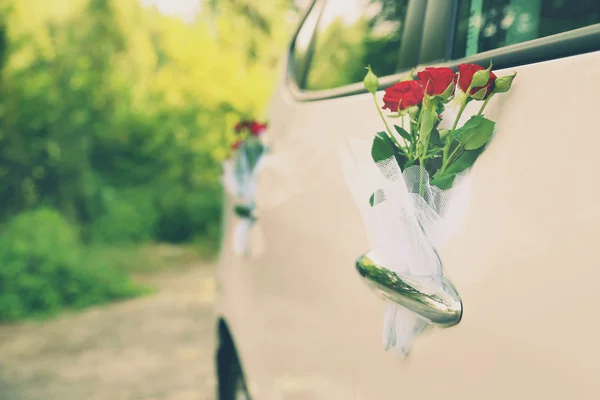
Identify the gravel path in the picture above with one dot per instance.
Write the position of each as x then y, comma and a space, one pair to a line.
159, 347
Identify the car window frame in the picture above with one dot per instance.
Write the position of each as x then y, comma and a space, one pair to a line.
296, 67
435, 42
412, 34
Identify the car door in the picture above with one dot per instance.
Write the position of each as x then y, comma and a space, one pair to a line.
527, 241
523, 261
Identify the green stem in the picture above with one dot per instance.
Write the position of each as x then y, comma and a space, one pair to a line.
387, 127
446, 163
423, 163
419, 121
413, 135
417, 135
409, 146
449, 137
423, 156
460, 111
485, 104
458, 148
421, 177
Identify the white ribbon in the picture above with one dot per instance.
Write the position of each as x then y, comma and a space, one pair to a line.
403, 226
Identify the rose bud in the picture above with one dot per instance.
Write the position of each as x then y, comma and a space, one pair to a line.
402, 95
371, 82
413, 112
484, 80
504, 83
438, 81
480, 78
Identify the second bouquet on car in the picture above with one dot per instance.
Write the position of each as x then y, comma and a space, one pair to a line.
240, 171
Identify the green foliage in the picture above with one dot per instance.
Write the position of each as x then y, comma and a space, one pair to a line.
197, 216
468, 143
44, 268
465, 160
402, 132
384, 147
129, 216
472, 136
152, 257
243, 211
476, 132
107, 115
117, 117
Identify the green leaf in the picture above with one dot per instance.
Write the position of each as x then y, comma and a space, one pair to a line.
381, 196
440, 107
383, 147
435, 139
476, 132
434, 151
407, 163
243, 211
444, 182
433, 165
403, 133
466, 160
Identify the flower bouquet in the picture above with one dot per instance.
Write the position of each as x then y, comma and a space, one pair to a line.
411, 181
239, 176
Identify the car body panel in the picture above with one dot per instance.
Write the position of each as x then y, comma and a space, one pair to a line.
305, 325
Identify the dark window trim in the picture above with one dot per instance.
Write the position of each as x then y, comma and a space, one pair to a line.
561, 45
578, 41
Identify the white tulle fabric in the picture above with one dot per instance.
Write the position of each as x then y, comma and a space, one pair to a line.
239, 180
403, 226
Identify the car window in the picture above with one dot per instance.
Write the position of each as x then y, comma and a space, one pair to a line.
484, 25
352, 34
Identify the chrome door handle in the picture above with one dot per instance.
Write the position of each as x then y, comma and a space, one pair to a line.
434, 299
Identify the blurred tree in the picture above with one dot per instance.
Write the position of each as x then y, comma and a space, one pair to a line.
113, 122
106, 106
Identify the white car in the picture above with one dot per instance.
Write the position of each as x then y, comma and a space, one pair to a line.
295, 318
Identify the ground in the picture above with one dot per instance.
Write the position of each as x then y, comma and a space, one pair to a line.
157, 347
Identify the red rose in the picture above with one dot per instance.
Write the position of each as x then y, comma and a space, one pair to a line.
402, 94
465, 76
237, 144
256, 128
435, 81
